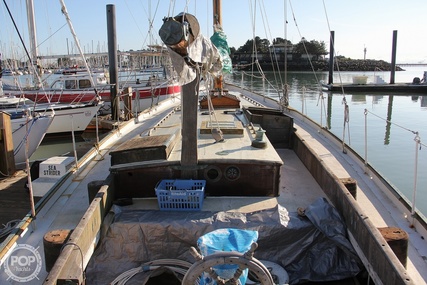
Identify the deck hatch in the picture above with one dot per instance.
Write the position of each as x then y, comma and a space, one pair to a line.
227, 127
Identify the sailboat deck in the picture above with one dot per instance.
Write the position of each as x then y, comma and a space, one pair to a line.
71, 200
376, 205
298, 189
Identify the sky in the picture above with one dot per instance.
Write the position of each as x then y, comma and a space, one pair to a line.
358, 25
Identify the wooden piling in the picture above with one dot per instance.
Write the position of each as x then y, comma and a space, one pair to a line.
53, 242
127, 102
351, 185
7, 158
398, 240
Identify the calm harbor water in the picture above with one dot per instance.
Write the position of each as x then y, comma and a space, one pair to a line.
392, 149
391, 146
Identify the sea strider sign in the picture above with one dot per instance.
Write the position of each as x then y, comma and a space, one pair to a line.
55, 167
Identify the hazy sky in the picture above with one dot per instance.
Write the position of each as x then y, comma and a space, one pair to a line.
357, 24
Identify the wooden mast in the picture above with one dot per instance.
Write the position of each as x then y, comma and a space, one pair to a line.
217, 20
189, 157
189, 105
217, 12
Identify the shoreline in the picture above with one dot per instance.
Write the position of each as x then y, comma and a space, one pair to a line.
340, 64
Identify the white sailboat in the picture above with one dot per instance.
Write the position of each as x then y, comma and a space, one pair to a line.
86, 86
72, 116
28, 130
68, 117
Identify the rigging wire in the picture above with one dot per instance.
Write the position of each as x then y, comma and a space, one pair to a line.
253, 21
254, 62
418, 145
36, 73
150, 21
273, 54
303, 42
390, 122
321, 97
70, 25
344, 101
333, 44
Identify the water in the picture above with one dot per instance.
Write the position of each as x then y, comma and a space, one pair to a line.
391, 147
64, 145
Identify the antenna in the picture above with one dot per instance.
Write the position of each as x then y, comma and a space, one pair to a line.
364, 52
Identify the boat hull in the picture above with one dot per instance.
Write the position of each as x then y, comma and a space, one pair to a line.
88, 95
32, 132
142, 99
72, 118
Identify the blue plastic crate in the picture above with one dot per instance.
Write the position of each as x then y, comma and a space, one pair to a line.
180, 194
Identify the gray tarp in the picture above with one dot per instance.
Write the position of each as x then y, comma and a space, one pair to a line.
310, 248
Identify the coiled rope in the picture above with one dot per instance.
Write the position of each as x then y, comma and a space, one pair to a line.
191, 273
178, 266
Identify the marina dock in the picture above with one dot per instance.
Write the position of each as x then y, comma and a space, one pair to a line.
14, 198
372, 87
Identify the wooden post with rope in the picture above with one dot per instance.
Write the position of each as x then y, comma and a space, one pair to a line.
127, 102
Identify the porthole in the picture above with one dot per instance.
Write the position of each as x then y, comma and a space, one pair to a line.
232, 173
212, 174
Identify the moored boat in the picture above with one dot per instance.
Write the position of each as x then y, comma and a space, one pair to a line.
68, 117
28, 131
72, 88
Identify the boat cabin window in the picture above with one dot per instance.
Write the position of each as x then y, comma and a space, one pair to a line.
70, 84
84, 83
58, 84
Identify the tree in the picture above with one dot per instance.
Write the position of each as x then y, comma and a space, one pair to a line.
277, 41
314, 48
261, 46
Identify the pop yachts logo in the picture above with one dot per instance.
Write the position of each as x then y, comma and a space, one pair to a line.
23, 264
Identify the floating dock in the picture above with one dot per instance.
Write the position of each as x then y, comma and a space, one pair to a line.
373, 87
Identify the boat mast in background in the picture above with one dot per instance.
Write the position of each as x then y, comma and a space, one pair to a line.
33, 43
112, 61
1, 74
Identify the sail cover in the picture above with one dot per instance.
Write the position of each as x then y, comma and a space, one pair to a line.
219, 39
196, 52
